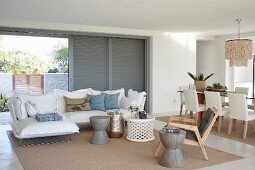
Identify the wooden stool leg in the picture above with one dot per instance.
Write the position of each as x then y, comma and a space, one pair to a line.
158, 150
245, 127
220, 123
230, 126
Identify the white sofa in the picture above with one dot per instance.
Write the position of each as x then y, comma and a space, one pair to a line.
25, 126
29, 127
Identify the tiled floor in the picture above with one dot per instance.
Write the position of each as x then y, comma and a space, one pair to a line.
9, 160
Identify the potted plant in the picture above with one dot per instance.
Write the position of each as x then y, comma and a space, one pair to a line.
134, 111
217, 87
199, 80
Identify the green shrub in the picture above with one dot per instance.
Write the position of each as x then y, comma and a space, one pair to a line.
3, 103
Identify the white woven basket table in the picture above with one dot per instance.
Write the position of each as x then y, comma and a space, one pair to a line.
140, 130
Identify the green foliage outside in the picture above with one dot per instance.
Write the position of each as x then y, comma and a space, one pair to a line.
3, 103
18, 62
53, 70
60, 57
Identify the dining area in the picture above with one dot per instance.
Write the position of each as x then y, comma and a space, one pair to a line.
233, 106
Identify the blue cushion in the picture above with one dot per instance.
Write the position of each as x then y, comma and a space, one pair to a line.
111, 101
48, 117
97, 102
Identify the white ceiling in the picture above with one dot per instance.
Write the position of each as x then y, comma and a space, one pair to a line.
199, 16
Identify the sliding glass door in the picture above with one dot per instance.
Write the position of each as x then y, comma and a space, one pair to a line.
104, 63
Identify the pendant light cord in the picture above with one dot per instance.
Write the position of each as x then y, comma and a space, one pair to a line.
238, 27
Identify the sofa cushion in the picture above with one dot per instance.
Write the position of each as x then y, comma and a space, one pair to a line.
97, 102
83, 116
16, 104
48, 117
28, 128
74, 95
111, 101
45, 103
139, 97
74, 105
125, 102
95, 92
120, 91
31, 109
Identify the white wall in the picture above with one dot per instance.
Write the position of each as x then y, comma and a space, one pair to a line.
173, 55
209, 60
211, 57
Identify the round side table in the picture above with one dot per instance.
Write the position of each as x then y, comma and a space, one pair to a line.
140, 130
172, 156
99, 124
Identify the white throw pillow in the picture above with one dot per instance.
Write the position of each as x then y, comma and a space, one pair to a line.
140, 97
32, 109
120, 91
16, 103
73, 95
85, 91
125, 103
95, 92
45, 103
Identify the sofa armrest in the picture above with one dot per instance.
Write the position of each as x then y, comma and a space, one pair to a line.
10, 104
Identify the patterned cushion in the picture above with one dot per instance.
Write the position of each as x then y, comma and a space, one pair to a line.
48, 117
111, 101
74, 105
97, 102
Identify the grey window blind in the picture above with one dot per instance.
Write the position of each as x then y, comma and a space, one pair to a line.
128, 64
90, 62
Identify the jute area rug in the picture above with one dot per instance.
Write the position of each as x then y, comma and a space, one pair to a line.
119, 154
236, 134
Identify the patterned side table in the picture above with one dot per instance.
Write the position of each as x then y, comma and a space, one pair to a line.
140, 130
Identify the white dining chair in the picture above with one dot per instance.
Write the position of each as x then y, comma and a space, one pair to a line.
239, 111
191, 103
182, 99
242, 90
213, 99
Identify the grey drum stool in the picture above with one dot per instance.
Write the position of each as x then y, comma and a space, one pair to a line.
172, 156
99, 124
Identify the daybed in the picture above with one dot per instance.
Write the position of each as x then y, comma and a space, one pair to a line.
23, 108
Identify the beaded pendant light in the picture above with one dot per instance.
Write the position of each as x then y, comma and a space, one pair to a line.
238, 51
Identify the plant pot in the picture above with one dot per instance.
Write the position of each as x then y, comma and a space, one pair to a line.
200, 85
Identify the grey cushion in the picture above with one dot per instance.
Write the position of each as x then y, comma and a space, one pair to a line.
209, 114
190, 135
